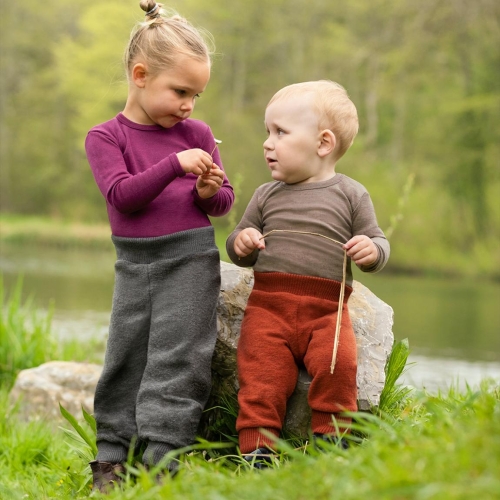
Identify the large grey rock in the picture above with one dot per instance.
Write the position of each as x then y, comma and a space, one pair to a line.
372, 321
39, 390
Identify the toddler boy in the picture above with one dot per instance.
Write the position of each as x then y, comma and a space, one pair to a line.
291, 313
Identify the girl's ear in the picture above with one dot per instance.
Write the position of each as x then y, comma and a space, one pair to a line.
139, 75
327, 144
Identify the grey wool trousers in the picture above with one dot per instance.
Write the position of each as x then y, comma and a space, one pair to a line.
156, 378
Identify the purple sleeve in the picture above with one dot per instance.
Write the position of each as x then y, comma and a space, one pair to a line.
219, 204
125, 191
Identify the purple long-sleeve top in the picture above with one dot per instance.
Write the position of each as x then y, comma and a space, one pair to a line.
137, 170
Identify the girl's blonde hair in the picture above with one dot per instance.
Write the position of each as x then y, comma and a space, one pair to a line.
335, 110
158, 40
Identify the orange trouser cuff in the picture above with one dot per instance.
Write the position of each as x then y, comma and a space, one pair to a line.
328, 423
253, 438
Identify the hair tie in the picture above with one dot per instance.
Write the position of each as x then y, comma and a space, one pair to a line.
152, 10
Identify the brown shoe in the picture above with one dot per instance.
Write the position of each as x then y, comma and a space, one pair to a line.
106, 476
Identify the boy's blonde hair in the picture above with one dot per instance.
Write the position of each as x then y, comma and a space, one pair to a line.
158, 40
335, 110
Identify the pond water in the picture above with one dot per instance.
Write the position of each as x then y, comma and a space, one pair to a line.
453, 326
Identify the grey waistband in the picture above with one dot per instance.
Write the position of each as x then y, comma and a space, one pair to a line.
171, 246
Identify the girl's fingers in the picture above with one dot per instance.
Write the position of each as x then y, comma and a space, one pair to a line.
212, 181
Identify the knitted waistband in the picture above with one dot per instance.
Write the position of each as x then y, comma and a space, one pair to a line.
312, 286
171, 246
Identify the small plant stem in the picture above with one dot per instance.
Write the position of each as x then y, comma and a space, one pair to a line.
217, 142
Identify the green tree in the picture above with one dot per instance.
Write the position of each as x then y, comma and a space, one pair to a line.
424, 77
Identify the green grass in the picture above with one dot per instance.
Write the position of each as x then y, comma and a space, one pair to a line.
444, 447
26, 338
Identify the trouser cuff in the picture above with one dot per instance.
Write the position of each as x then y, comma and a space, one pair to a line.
155, 452
114, 453
252, 439
329, 423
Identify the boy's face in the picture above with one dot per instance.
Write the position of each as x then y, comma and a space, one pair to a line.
291, 148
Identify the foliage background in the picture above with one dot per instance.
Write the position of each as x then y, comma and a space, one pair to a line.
425, 77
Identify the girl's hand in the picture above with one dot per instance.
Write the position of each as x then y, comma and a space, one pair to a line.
195, 161
361, 250
247, 241
209, 183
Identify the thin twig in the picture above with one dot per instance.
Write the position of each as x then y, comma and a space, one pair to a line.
217, 142
342, 287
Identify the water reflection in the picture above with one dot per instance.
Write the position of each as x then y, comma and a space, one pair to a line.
73, 280
436, 374
453, 326
442, 317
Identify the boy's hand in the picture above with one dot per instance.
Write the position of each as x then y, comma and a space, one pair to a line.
209, 183
195, 161
247, 241
361, 250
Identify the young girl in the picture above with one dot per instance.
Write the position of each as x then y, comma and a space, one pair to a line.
161, 175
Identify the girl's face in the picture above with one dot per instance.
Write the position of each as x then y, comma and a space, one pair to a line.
291, 148
168, 98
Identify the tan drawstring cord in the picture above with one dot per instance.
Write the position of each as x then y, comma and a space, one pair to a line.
342, 288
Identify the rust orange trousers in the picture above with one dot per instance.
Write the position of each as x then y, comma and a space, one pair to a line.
290, 322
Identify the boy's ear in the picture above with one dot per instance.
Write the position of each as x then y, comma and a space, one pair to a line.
327, 144
139, 75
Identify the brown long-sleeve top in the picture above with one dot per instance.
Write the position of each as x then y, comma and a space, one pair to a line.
338, 208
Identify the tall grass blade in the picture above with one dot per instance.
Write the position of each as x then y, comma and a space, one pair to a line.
90, 420
392, 394
78, 428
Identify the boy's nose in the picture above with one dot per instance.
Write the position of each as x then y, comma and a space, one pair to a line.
267, 144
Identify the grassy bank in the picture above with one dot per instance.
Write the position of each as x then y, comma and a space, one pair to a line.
436, 448
55, 233
30, 230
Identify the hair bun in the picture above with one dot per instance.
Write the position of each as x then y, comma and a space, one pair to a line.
151, 8
161, 37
